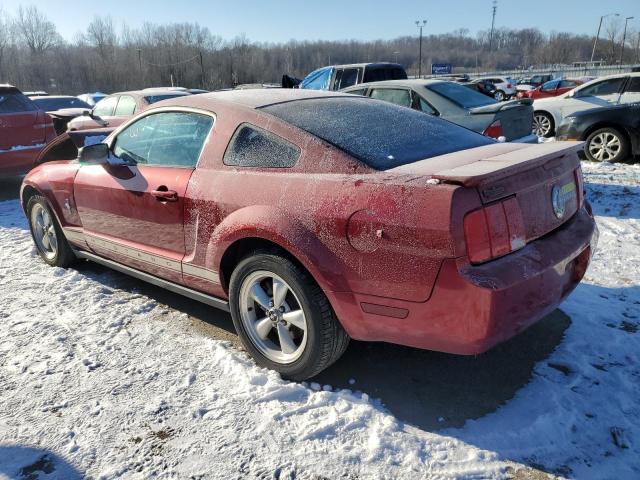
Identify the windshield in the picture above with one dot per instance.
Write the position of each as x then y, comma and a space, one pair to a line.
52, 103
164, 96
460, 95
380, 134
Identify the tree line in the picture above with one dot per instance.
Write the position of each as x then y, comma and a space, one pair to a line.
106, 57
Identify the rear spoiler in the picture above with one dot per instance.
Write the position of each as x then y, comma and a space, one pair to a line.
497, 107
515, 158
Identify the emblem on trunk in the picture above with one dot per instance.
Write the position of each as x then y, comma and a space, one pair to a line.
559, 197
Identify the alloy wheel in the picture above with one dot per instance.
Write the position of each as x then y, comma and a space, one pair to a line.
44, 231
605, 146
273, 317
541, 125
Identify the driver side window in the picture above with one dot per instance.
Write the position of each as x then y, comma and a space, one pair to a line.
172, 139
105, 107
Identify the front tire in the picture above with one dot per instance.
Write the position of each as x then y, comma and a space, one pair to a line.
50, 241
283, 318
499, 95
607, 145
543, 124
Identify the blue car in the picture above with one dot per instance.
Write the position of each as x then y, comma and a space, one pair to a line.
337, 77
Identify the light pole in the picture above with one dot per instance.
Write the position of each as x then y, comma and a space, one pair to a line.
395, 54
595, 42
420, 26
624, 37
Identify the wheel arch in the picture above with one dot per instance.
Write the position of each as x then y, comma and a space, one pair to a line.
265, 227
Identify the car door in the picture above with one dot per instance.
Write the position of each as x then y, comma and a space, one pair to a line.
132, 209
599, 94
631, 92
548, 89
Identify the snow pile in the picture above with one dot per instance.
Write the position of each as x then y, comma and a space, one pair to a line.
108, 383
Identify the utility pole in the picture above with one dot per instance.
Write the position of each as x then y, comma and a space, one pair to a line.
140, 64
595, 42
420, 26
624, 37
493, 23
638, 49
201, 68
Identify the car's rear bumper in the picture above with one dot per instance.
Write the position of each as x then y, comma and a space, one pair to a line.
472, 308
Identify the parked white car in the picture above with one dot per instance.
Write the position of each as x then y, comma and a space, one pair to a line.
505, 86
601, 92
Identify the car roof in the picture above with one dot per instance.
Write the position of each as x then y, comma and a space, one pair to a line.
53, 97
249, 98
152, 91
409, 82
8, 87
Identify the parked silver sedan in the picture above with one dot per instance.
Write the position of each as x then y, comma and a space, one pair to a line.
458, 104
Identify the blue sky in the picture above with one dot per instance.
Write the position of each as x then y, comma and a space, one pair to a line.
281, 20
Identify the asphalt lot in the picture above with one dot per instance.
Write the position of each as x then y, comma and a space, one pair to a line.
430, 390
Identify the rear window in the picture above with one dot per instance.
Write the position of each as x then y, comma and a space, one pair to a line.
15, 102
166, 96
50, 104
461, 95
377, 133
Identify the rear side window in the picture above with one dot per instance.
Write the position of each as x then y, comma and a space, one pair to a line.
358, 91
634, 85
105, 107
15, 102
398, 96
254, 147
346, 78
386, 73
126, 106
379, 134
158, 98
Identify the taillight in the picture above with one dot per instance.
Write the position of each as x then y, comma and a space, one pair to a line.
494, 231
509, 85
45, 122
494, 130
579, 185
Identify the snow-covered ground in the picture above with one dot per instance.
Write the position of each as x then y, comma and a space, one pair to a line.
102, 382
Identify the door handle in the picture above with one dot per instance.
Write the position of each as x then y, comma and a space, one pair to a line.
165, 195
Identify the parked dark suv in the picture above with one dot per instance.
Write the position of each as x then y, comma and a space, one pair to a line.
342, 76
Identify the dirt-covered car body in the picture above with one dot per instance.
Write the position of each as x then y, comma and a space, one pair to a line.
455, 250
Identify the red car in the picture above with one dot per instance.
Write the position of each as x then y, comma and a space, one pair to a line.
552, 88
117, 108
24, 131
316, 217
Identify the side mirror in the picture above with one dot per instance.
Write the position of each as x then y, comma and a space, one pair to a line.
572, 93
97, 154
86, 113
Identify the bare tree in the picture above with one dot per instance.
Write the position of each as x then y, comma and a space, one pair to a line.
37, 32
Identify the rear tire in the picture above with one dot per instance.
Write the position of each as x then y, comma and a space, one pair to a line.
543, 124
283, 317
607, 145
47, 234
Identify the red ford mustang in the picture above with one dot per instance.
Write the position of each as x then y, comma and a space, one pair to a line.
318, 217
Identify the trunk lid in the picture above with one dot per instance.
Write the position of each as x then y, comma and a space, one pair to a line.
542, 178
516, 116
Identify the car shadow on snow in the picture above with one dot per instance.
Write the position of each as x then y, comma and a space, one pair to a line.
620, 201
28, 463
434, 390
